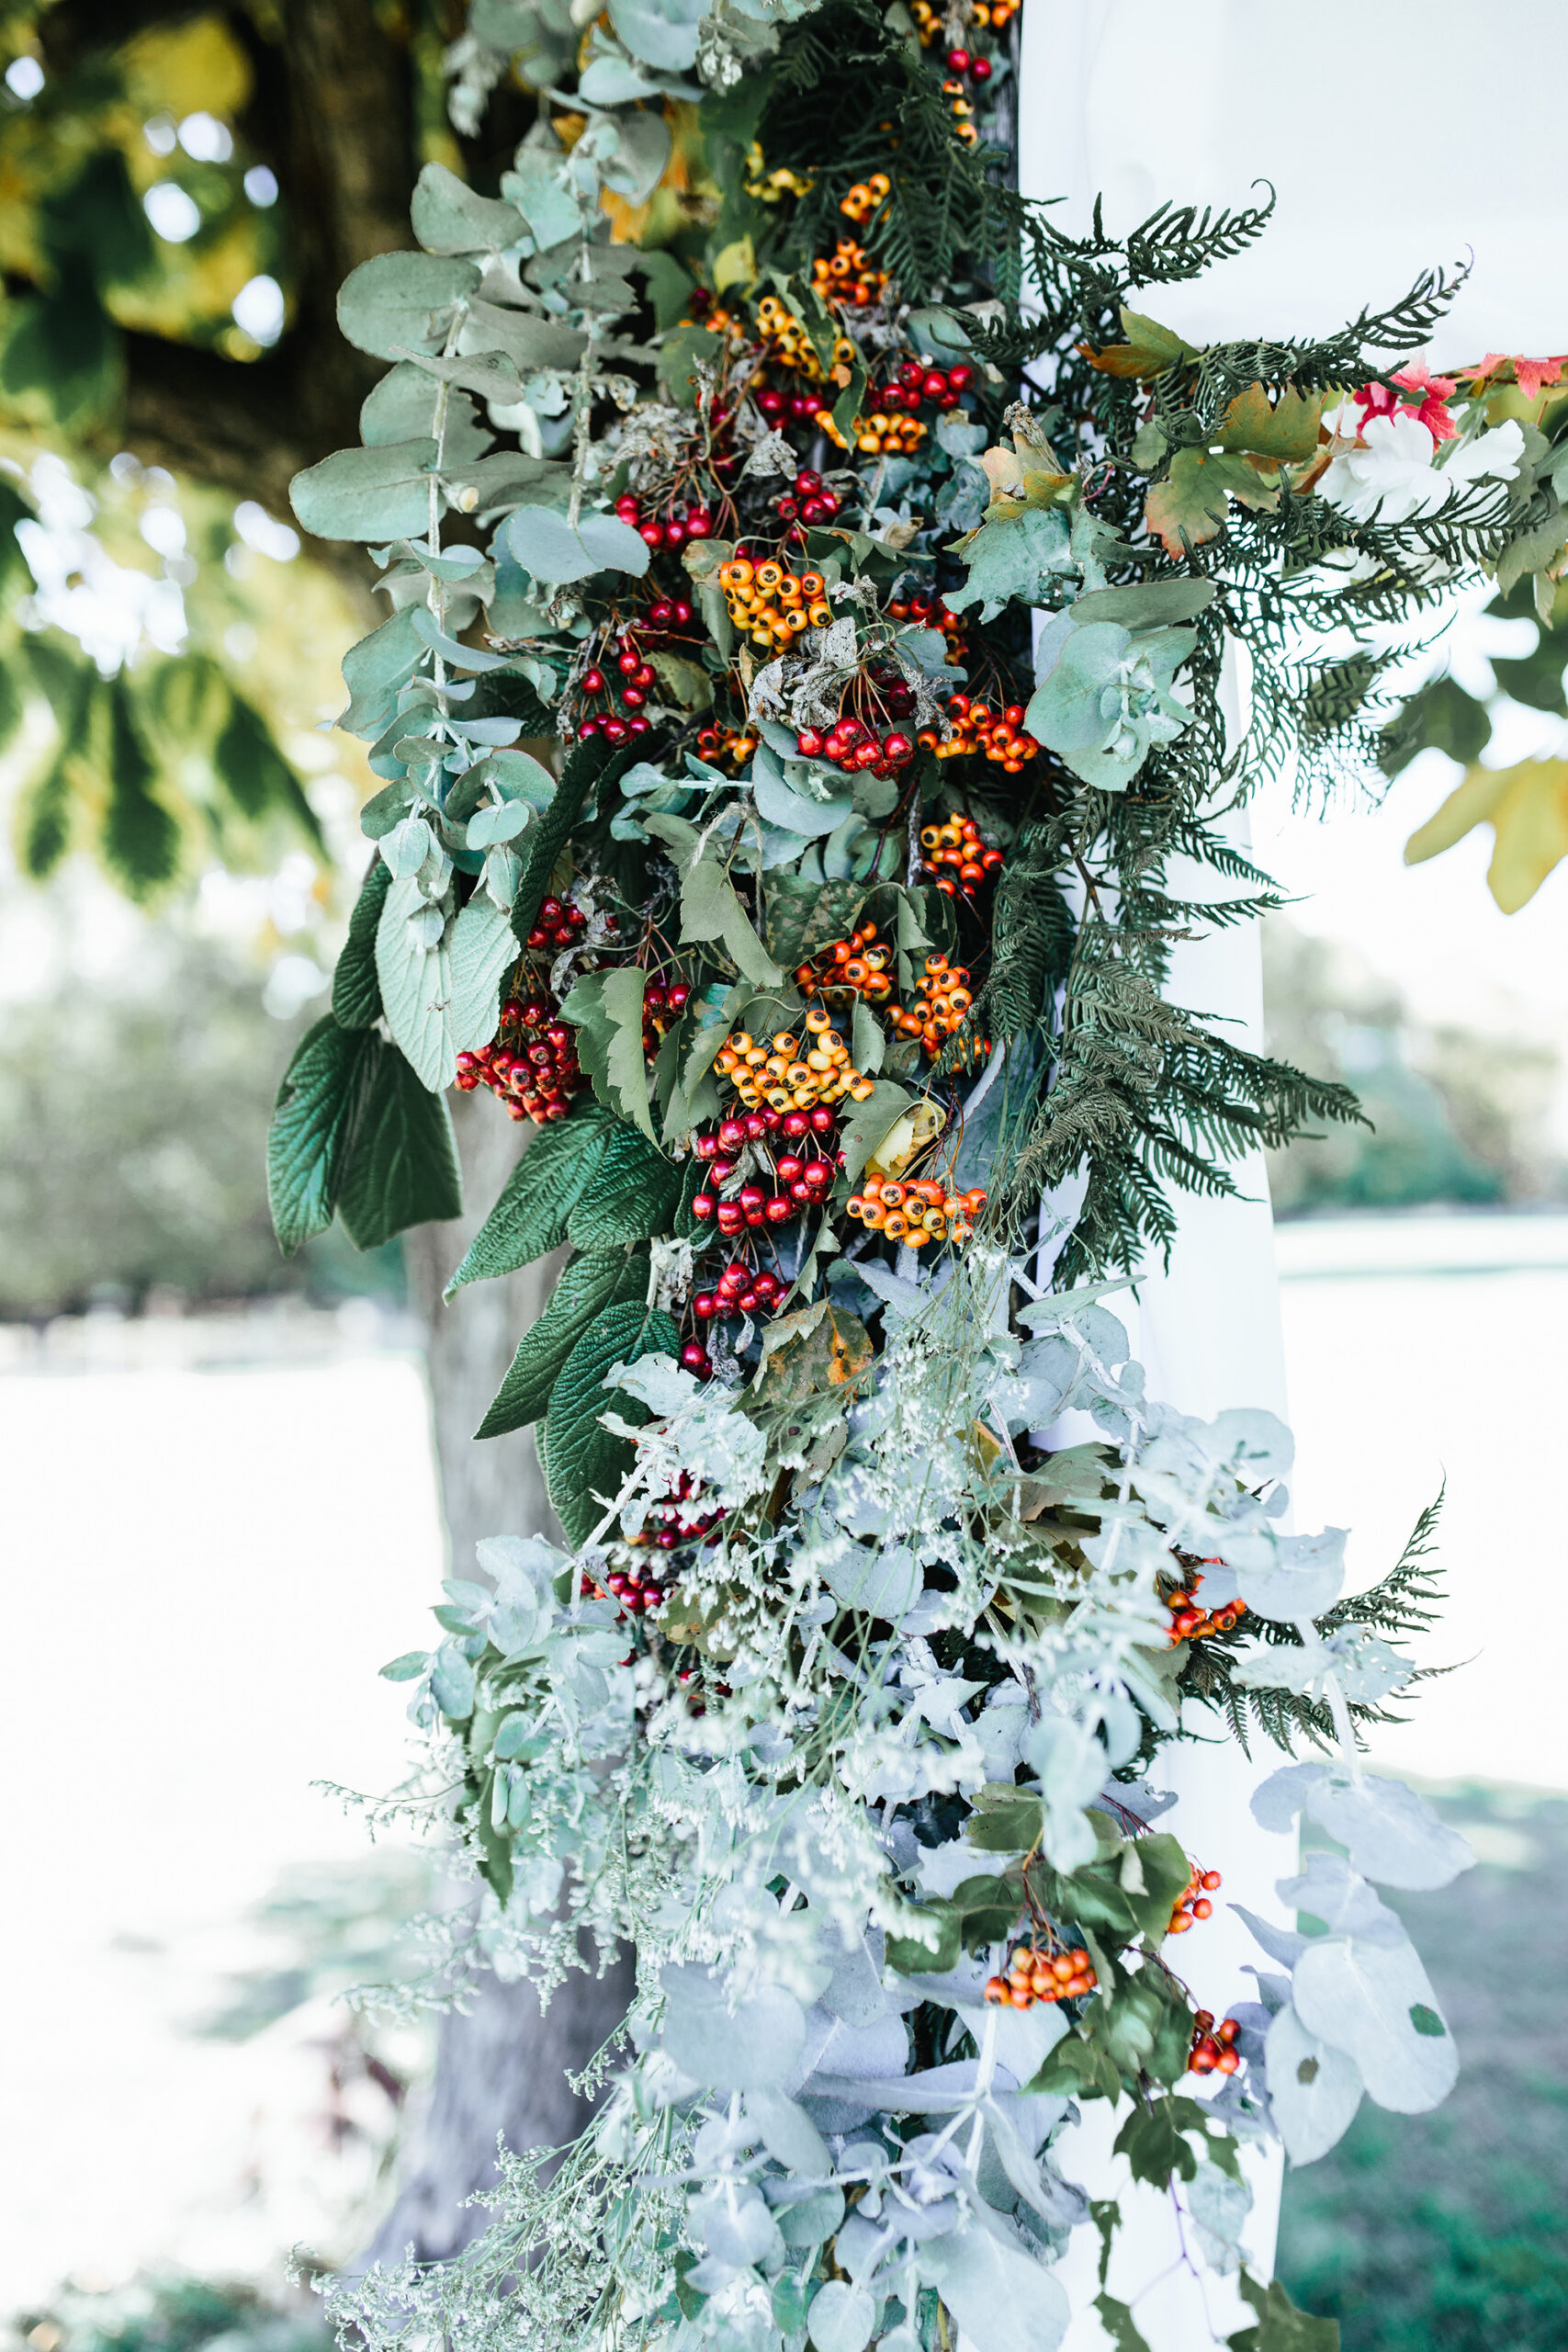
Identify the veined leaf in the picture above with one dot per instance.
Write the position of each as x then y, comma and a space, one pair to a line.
601, 1278
1527, 807
607, 1009
400, 1168
1287, 430
1148, 351
628, 1197
530, 1215
356, 992
1191, 505
317, 1105
582, 1459
710, 910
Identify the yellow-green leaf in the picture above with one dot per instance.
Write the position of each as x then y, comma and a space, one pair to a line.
1288, 430
1191, 505
1149, 349
1527, 807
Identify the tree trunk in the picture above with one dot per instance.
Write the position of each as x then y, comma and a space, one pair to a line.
501, 2069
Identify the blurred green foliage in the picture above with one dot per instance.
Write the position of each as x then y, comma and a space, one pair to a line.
135, 1119
1457, 1115
170, 2312
1444, 2232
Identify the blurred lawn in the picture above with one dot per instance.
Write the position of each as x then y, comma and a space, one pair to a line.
1448, 2231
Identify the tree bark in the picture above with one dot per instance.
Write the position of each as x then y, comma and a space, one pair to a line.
502, 2068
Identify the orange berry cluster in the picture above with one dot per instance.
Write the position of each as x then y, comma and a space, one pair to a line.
1189, 1620
1212, 2045
772, 187
735, 744
1036, 1976
848, 274
956, 859
932, 613
771, 604
777, 1073
916, 1212
931, 23
849, 968
957, 93
1194, 1902
943, 996
865, 196
976, 727
791, 346
882, 434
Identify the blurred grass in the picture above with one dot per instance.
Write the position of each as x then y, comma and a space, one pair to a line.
1448, 2231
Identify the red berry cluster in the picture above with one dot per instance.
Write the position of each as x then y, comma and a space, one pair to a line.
926, 608
849, 744
556, 925
627, 676
679, 523
532, 1065
639, 1595
1189, 1620
681, 1519
1212, 2045
805, 1179
809, 501
918, 383
661, 1006
1192, 1903
740, 1290
959, 61
798, 407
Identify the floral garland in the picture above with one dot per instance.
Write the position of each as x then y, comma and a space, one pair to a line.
831, 942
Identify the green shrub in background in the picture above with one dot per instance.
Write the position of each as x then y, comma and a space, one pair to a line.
170, 2312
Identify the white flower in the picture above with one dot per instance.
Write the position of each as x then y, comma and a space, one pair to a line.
1393, 477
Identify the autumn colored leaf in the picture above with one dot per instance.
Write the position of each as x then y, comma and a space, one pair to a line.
1025, 476
1149, 349
1288, 431
1527, 807
1191, 505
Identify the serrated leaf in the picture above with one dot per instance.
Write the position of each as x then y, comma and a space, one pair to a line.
402, 1163
1288, 430
530, 1213
1191, 505
318, 1103
1148, 351
356, 992
601, 1278
584, 1460
710, 910
804, 916
629, 1196
606, 1010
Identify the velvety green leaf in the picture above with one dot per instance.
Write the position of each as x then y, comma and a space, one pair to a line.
356, 992
530, 1214
606, 1010
375, 670
415, 983
402, 301
710, 910
599, 1279
401, 1164
549, 547
630, 1195
583, 1460
381, 493
318, 1103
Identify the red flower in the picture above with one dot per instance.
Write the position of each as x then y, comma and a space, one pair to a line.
1426, 399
